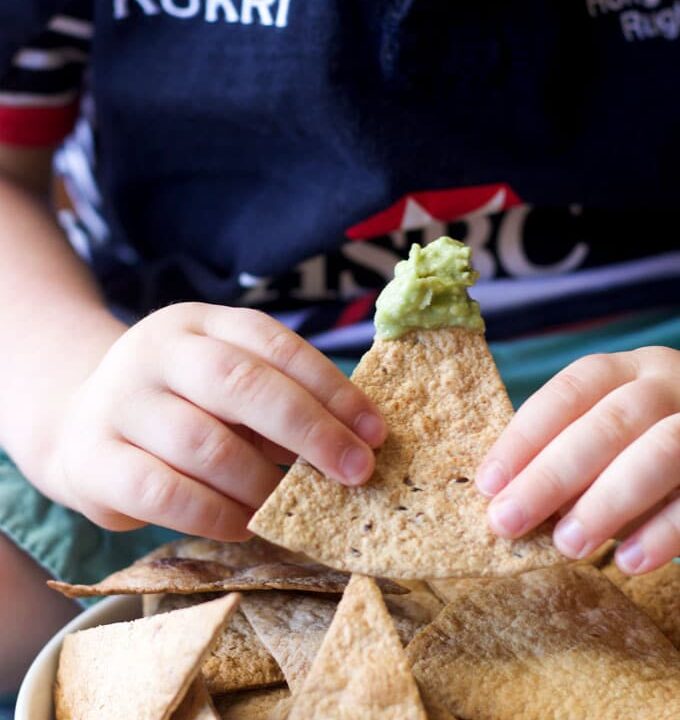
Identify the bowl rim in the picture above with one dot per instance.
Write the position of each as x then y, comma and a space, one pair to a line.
34, 701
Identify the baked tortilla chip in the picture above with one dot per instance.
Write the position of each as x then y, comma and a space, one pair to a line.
181, 575
444, 588
657, 593
269, 704
238, 660
139, 669
420, 515
292, 626
360, 670
421, 604
555, 643
254, 551
196, 705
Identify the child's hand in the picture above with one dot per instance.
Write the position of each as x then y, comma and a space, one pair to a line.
185, 419
604, 434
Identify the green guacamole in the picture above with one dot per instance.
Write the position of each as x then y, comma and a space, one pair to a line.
429, 291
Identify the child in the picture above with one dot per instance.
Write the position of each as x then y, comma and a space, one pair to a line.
282, 155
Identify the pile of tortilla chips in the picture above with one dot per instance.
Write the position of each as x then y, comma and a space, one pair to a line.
473, 627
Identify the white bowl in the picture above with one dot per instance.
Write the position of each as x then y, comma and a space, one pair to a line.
35, 696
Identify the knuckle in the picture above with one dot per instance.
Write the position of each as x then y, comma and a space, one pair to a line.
588, 369
568, 386
159, 493
653, 395
283, 347
211, 449
666, 434
342, 398
314, 436
655, 354
244, 379
612, 424
552, 484
587, 362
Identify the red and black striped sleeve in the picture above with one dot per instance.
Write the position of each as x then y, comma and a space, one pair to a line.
44, 50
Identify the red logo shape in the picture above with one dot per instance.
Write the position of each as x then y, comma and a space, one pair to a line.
418, 209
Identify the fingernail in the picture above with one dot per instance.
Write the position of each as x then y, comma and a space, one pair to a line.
491, 478
354, 464
506, 518
630, 556
570, 538
369, 427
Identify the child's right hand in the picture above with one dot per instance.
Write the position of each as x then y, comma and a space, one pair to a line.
183, 422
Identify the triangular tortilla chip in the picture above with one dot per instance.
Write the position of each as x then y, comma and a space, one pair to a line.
292, 626
197, 704
420, 515
186, 575
269, 704
239, 660
657, 593
140, 669
445, 589
360, 670
254, 551
555, 643
421, 605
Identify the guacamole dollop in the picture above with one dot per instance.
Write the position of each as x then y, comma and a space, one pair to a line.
429, 291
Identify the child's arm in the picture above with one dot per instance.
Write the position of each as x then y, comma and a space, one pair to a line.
53, 322
179, 420
600, 442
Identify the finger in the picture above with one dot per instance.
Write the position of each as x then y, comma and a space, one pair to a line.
654, 544
198, 445
240, 388
631, 485
142, 487
273, 452
572, 460
545, 414
109, 520
280, 347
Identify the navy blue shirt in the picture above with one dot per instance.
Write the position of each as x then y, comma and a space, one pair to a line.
285, 153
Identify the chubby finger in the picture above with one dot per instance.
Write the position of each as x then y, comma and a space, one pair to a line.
198, 445
109, 519
273, 452
563, 399
285, 350
239, 388
628, 487
575, 458
654, 544
141, 487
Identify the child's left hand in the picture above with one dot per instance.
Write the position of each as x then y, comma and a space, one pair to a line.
600, 441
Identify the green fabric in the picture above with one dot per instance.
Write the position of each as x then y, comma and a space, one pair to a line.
65, 543
527, 364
